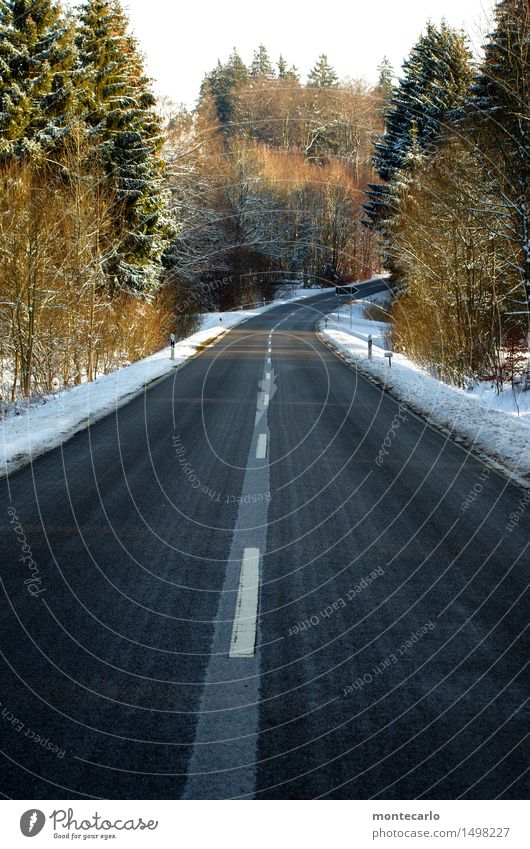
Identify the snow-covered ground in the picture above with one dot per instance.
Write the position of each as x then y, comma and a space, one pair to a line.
479, 418
29, 432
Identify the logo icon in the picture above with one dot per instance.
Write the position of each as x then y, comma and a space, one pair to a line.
32, 823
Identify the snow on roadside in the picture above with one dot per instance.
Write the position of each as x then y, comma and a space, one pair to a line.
46, 425
480, 419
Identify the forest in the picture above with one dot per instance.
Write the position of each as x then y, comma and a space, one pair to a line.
451, 205
123, 219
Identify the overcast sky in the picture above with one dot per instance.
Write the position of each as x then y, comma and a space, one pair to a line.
183, 40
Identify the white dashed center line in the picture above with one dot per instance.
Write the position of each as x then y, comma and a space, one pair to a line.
223, 764
243, 642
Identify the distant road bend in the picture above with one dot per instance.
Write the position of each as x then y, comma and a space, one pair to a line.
231, 599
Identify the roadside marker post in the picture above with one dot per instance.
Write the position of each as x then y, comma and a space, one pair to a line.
389, 356
173, 340
370, 347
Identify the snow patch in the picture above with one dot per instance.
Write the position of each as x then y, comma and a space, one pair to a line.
485, 421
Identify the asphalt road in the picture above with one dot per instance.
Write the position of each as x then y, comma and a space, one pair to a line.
388, 656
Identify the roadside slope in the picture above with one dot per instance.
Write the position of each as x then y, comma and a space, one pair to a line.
500, 437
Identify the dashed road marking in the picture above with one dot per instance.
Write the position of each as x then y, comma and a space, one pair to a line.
243, 642
225, 749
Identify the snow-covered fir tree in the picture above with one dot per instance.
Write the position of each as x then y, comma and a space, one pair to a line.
14, 101
261, 65
285, 72
323, 74
385, 76
385, 85
500, 120
281, 65
120, 109
435, 81
221, 85
37, 77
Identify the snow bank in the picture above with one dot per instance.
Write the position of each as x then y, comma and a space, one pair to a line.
482, 420
26, 434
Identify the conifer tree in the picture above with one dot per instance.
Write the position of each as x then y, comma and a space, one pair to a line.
120, 109
435, 81
236, 69
14, 101
323, 74
385, 85
37, 76
500, 118
261, 64
286, 73
385, 76
222, 83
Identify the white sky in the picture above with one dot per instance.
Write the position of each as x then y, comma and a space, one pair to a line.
183, 40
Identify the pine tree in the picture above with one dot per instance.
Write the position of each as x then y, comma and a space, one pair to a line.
120, 109
285, 73
215, 86
15, 106
435, 81
261, 64
282, 68
37, 81
323, 74
500, 118
222, 83
385, 76
236, 69
293, 74
385, 85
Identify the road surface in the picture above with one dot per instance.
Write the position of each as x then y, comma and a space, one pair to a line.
217, 592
